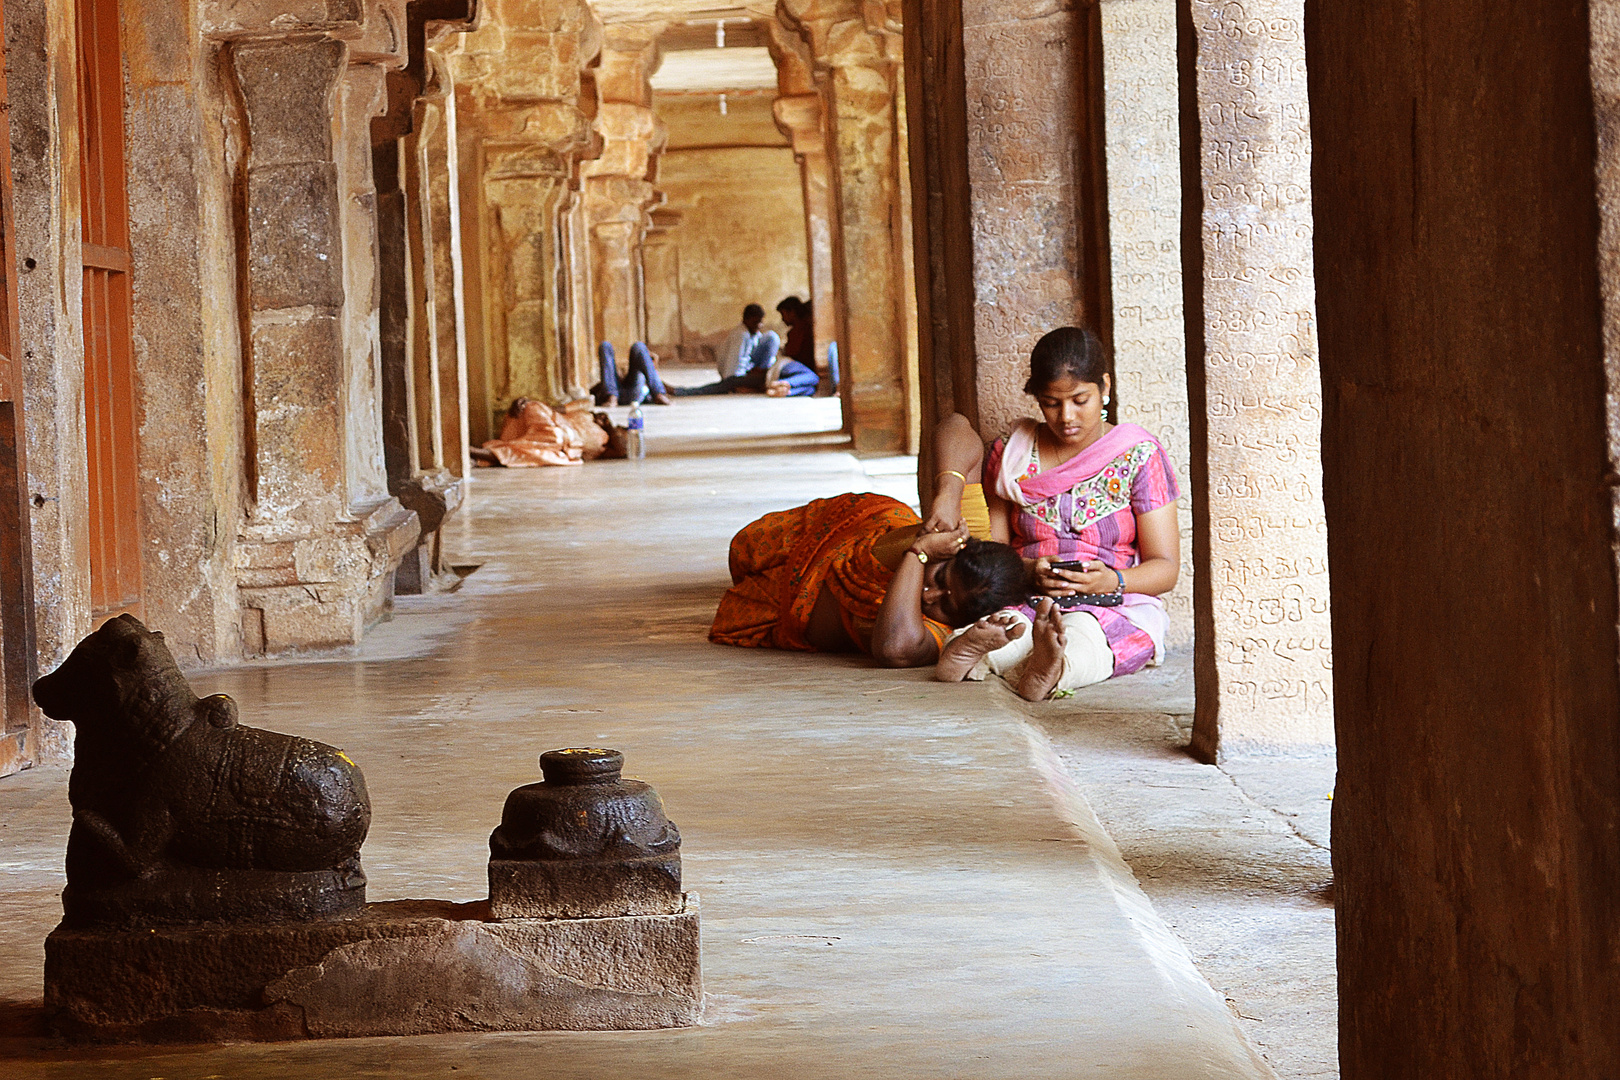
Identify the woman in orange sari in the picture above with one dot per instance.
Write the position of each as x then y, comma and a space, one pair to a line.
861, 572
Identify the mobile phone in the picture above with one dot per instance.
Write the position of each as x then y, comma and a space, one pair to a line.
1107, 599
1072, 564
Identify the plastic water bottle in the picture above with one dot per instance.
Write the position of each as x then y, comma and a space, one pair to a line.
635, 440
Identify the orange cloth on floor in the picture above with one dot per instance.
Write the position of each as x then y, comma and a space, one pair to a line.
541, 435
780, 563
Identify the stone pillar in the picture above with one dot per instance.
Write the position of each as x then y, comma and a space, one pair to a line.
445, 335
42, 95
314, 562
581, 312
800, 118
857, 58
661, 273
1011, 234
1263, 654
619, 184
1470, 344
523, 132
1144, 242
524, 192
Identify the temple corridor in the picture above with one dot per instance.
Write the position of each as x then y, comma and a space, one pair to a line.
897, 877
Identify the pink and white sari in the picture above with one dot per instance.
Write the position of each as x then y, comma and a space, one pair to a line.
1086, 508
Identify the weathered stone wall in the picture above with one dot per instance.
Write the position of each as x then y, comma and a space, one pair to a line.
741, 236
1265, 668
1469, 483
1144, 240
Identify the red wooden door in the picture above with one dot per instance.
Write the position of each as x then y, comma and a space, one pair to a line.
16, 576
109, 373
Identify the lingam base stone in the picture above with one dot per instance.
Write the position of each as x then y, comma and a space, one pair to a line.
408, 967
584, 888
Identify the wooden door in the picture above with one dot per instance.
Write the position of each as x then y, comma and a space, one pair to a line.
16, 575
109, 374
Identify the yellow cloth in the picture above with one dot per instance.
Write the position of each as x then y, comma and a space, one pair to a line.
975, 511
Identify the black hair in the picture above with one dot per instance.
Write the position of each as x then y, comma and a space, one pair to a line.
791, 303
1068, 350
992, 577
753, 311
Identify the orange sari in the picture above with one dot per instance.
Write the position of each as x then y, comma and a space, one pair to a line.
780, 563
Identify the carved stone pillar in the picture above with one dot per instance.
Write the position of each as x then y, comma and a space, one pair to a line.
857, 64
661, 278
581, 311
1264, 659
525, 191
314, 562
1143, 149
800, 118
524, 123
619, 184
443, 304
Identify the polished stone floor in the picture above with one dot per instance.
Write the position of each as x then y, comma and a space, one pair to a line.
899, 878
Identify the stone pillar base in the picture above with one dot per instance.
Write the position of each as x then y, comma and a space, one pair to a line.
408, 967
322, 590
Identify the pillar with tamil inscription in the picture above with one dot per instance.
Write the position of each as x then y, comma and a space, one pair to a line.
1143, 147
1264, 644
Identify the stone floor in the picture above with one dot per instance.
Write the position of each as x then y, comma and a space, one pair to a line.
899, 878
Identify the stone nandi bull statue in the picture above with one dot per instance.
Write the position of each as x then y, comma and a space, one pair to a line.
180, 815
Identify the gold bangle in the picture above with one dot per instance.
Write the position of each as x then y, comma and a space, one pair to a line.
951, 472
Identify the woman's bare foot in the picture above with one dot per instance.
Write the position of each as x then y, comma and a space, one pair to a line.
481, 456
777, 390
1045, 665
982, 638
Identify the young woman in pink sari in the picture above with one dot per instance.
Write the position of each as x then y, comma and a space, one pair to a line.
1075, 489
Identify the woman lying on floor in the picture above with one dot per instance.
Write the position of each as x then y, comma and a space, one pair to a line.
1075, 489
861, 573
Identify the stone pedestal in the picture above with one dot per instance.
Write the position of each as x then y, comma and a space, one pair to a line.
409, 967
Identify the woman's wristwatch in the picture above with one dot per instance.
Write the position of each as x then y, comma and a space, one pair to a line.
922, 556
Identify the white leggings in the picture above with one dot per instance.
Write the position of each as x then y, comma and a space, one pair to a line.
1087, 658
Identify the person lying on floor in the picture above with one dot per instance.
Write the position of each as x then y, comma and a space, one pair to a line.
535, 434
1090, 507
639, 381
861, 573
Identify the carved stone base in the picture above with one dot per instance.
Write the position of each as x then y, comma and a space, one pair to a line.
584, 888
409, 967
193, 896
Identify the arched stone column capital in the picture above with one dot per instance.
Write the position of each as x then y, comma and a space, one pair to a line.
844, 33
800, 118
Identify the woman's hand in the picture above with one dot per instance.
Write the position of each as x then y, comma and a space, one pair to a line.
945, 513
942, 544
1095, 579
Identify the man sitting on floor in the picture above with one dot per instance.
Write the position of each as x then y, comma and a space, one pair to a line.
795, 372
747, 360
